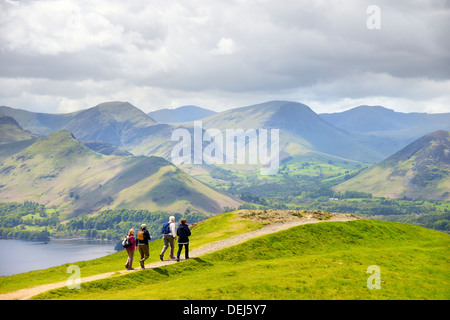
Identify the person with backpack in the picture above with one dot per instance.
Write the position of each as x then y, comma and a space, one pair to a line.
130, 249
142, 243
169, 237
183, 233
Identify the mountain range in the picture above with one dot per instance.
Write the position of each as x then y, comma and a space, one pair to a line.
84, 165
58, 170
76, 160
301, 130
386, 130
364, 133
378, 120
118, 123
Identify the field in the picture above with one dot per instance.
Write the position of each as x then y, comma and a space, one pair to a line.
315, 261
219, 227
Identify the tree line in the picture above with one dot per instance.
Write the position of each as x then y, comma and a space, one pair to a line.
114, 224
33, 221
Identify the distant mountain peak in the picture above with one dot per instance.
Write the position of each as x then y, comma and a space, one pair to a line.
12, 131
421, 170
289, 106
439, 134
372, 109
181, 114
59, 136
276, 104
381, 121
121, 110
111, 105
432, 148
4, 119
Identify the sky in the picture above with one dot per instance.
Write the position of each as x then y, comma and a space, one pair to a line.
64, 56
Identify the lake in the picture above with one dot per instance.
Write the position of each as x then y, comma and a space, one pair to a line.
17, 256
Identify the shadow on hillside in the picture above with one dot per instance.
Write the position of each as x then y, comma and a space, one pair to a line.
200, 260
162, 271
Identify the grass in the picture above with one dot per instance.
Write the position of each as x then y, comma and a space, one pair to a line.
221, 227
216, 228
309, 165
314, 261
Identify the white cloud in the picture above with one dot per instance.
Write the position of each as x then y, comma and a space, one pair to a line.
225, 46
223, 54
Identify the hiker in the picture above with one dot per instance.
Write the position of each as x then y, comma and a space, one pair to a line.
183, 233
169, 237
142, 243
130, 250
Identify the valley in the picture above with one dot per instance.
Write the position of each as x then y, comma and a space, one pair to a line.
113, 157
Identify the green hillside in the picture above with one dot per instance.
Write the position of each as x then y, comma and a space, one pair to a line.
306, 142
216, 228
313, 261
40, 123
421, 170
11, 131
118, 123
60, 171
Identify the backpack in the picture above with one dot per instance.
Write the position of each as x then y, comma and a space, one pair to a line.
140, 235
126, 242
165, 228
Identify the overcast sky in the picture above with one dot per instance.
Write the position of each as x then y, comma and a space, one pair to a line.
63, 56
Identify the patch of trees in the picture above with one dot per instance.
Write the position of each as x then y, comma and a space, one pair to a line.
254, 199
16, 218
114, 224
6, 233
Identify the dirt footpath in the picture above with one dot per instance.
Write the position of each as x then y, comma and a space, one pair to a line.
276, 220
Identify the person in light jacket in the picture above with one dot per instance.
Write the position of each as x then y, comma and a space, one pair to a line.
169, 239
183, 233
130, 250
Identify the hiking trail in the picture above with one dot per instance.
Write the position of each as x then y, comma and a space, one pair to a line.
275, 225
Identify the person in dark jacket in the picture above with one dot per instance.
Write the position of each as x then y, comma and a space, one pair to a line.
183, 234
142, 243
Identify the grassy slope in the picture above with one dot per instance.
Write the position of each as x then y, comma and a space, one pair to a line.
216, 228
419, 171
57, 166
315, 261
10, 131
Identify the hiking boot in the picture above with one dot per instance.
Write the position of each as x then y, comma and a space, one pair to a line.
178, 259
142, 264
161, 257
